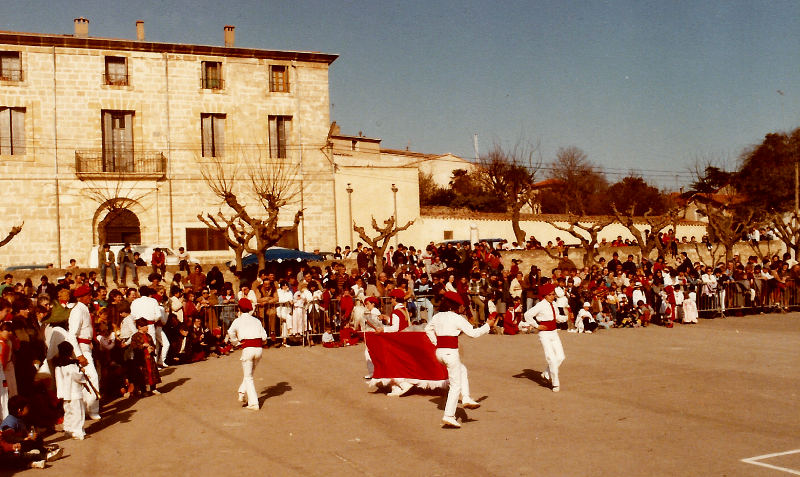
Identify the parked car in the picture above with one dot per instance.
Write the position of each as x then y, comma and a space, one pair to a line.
145, 252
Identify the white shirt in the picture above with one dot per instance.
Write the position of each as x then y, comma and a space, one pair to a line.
80, 326
395, 321
147, 308
246, 327
127, 328
542, 311
449, 323
251, 295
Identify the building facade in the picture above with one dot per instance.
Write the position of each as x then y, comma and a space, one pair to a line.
106, 140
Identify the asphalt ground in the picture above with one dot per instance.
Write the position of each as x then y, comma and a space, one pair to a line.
691, 400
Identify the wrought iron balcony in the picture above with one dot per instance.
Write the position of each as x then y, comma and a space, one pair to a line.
115, 79
8, 74
97, 164
212, 83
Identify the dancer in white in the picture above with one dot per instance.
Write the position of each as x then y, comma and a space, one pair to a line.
544, 313
374, 324
80, 336
148, 308
247, 331
443, 330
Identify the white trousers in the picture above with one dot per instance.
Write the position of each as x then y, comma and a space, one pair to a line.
457, 375
553, 353
3, 401
89, 398
370, 366
74, 417
250, 358
161, 341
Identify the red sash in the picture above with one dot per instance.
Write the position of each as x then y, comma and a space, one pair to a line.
251, 343
447, 342
84, 341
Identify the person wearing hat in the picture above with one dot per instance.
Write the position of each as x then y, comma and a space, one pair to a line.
443, 331
399, 318
143, 363
584, 321
80, 334
544, 313
638, 294
247, 332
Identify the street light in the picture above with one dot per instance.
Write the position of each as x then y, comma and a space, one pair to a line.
350, 209
394, 191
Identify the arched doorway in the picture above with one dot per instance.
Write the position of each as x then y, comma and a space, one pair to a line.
120, 226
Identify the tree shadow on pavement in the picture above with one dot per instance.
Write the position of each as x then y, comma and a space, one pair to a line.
535, 376
273, 391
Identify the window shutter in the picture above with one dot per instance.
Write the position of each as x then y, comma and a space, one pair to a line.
108, 143
219, 135
127, 145
273, 136
5, 131
205, 125
18, 131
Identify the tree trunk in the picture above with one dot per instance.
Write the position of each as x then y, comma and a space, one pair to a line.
518, 232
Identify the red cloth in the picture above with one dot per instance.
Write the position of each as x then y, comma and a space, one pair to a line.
447, 342
409, 355
511, 322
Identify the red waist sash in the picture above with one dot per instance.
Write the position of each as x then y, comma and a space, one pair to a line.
548, 325
251, 343
447, 342
84, 341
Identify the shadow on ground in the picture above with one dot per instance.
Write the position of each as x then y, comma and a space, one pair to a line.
274, 391
535, 376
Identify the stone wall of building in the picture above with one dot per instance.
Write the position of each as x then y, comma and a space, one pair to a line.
64, 93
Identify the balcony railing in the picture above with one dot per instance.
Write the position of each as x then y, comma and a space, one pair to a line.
115, 79
212, 83
120, 165
7, 74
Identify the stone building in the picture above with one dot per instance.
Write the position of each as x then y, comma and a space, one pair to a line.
104, 140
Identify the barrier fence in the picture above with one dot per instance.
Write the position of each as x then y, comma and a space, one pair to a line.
745, 296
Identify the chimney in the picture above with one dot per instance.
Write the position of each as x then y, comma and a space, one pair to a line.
81, 28
140, 30
230, 35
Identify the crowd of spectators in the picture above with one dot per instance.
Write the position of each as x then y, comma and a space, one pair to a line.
297, 303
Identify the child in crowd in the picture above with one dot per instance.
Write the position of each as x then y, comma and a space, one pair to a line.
327, 339
69, 387
17, 431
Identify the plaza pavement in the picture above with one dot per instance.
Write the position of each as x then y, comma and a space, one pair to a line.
693, 400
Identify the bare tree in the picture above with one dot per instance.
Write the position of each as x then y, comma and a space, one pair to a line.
510, 175
787, 227
586, 233
272, 184
380, 242
236, 232
12, 233
646, 239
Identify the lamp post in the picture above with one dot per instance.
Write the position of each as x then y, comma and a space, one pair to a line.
394, 191
350, 209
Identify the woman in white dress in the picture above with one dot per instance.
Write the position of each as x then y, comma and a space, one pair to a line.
689, 307
284, 310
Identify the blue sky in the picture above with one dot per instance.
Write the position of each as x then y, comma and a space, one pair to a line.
649, 86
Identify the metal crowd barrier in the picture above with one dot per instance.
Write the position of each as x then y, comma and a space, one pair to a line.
758, 296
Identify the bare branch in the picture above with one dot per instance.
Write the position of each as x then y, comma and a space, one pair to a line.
14, 231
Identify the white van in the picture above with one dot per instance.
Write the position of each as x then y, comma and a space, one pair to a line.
145, 252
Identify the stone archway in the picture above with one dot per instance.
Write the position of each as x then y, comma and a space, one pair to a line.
120, 226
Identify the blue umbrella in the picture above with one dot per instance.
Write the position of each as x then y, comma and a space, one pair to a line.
280, 254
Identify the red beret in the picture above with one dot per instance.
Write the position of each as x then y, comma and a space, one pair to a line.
454, 297
245, 305
397, 293
82, 290
374, 300
546, 289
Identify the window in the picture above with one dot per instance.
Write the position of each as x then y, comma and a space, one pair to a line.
212, 75
280, 130
116, 71
202, 239
10, 66
448, 235
118, 141
12, 131
278, 79
213, 129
